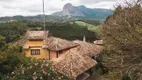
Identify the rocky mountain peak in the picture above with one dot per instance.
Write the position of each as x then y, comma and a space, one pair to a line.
83, 11
67, 6
70, 10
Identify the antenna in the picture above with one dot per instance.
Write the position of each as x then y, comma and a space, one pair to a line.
84, 39
43, 15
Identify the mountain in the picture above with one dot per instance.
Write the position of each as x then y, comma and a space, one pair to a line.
83, 12
68, 14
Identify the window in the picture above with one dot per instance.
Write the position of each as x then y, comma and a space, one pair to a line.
35, 52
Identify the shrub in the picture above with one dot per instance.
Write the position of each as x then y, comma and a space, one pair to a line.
8, 62
36, 71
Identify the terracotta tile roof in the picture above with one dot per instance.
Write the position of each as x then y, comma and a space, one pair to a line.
88, 49
57, 44
37, 35
72, 64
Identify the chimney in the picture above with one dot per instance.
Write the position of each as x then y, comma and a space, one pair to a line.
84, 39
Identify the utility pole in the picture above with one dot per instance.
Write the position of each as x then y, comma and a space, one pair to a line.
43, 15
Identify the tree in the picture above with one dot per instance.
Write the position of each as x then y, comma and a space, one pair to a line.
2, 41
12, 31
122, 35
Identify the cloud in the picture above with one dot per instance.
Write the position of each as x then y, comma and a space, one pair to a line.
95, 1
108, 5
7, 0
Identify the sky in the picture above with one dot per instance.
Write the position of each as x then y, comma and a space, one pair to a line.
34, 7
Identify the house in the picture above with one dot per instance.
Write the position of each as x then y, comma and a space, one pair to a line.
39, 45
73, 59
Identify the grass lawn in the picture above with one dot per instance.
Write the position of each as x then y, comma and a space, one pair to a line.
89, 26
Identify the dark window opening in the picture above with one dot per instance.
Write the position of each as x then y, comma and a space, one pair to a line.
35, 52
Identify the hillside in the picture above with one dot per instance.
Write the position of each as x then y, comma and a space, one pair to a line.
49, 18
90, 27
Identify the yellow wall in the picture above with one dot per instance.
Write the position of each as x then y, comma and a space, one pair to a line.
43, 53
35, 43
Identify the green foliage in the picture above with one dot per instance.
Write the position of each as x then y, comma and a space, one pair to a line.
12, 31
9, 61
13, 49
2, 42
10, 58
